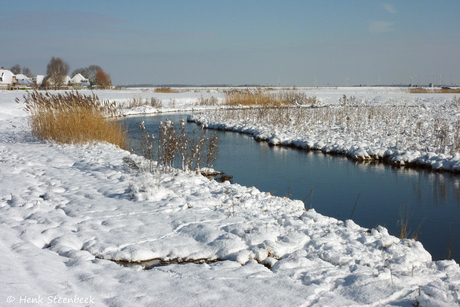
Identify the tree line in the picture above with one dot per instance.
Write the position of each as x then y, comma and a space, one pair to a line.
57, 70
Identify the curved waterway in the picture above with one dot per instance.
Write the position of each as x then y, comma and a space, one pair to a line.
370, 194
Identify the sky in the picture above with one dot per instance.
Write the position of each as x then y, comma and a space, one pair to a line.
301, 43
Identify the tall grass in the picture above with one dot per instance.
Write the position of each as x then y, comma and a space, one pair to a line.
176, 148
139, 102
73, 118
423, 90
165, 90
414, 128
202, 101
265, 97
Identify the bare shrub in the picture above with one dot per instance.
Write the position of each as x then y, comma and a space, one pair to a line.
73, 118
57, 71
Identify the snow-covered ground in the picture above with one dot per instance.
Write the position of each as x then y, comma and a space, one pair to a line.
404, 129
69, 212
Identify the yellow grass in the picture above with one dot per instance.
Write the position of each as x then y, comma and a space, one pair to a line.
265, 97
249, 97
165, 90
419, 90
73, 118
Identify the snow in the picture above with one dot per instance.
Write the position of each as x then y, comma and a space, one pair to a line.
71, 215
399, 128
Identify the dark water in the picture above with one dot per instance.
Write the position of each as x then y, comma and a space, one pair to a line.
332, 185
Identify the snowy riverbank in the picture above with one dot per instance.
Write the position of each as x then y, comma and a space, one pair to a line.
67, 211
404, 130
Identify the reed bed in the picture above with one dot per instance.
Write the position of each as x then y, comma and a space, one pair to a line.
139, 102
73, 118
402, 127
266, 97
174, 148
166, 90
211, 101
423, 90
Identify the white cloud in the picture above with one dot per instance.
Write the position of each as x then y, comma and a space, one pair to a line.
381, 26
389, 8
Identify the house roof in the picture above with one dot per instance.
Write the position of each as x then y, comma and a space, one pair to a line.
79, 78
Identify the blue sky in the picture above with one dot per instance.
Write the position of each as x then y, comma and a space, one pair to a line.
197, 42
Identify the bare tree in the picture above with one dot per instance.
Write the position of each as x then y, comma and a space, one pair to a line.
16, 69
88, 72
26, 71
93, 69
57, 70
103, 79
84, 71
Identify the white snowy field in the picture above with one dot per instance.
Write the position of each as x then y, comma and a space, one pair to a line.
68, 212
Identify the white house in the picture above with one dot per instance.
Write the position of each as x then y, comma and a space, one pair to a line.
66, 80
7, 78
40, 79
78, 79
24, 80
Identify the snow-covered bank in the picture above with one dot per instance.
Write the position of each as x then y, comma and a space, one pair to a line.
405, 131
66, 211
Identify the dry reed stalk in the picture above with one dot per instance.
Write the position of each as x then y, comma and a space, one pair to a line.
73, 118
415, 128
422, 90
176, 148
264, 97
165, 90
212, 101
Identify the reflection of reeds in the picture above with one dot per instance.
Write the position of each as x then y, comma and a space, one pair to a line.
449, 249
404, 224
73, 118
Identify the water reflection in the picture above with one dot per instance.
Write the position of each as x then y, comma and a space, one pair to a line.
331, 184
